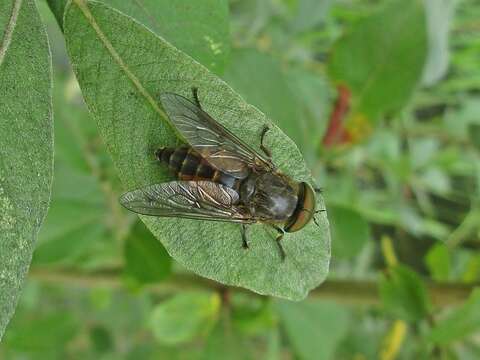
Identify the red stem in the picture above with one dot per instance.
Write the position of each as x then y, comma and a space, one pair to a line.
336, 132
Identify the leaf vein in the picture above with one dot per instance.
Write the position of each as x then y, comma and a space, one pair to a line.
7, 37
82, 5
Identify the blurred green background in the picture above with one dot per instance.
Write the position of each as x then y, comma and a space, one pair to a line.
383, 99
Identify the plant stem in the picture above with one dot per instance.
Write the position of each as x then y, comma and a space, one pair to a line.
462, 232
347, 292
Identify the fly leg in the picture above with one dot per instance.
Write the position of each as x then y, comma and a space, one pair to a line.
262, 137
244, 236
278, 239
195, 97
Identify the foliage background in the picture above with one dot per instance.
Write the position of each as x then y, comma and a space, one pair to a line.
401, 190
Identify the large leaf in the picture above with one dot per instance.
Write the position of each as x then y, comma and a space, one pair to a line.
27, 149
201, 29
381, 59
122, 68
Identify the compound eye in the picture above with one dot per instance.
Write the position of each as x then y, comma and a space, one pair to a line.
305, 209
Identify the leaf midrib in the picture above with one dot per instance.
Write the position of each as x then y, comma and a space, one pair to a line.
83, 6
7, 38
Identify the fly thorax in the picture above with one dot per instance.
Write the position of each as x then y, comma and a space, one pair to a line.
274, 197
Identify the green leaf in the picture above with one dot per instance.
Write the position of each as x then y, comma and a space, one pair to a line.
126, 68
439, 18
26, 135
184, 317
58, 7
200, 28
381, 59
460, 323
438, 262
146, 260
315, 328
350, 231
44, 334
404, 295
267, 88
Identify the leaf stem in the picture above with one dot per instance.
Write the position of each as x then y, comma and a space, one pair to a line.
462, 232
347, 292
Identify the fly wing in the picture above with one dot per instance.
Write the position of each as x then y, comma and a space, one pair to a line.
203, 200
222, 149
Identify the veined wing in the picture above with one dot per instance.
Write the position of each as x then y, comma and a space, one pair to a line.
203, 200
222, 149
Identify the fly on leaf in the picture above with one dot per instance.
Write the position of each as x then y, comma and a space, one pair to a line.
220, 178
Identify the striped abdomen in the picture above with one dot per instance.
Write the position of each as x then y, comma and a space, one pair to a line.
186, 164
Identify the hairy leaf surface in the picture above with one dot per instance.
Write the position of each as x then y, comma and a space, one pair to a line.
122, 68
26, 150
